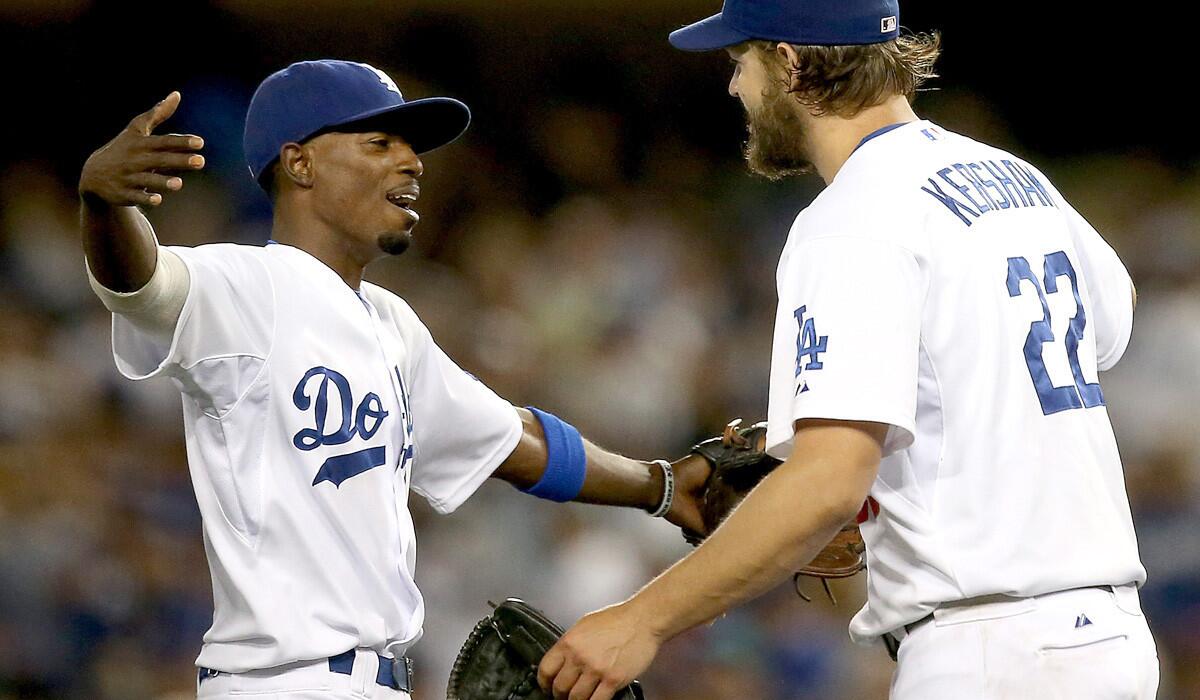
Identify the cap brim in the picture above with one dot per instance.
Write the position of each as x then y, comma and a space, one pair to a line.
707, 35
425, 124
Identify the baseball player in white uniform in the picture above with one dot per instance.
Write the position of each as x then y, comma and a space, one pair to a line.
943, 316
314, 401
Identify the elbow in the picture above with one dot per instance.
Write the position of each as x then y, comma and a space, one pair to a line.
840, 462
526, 464
846, 508
847, 496
833, 502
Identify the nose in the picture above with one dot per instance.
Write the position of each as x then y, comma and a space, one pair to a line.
733, 85
409, 163
405, 157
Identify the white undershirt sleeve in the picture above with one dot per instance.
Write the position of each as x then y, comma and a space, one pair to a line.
154, 309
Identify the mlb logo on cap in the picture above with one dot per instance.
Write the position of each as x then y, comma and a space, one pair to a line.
800, 22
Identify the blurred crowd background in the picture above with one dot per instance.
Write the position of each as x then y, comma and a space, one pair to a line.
594, 247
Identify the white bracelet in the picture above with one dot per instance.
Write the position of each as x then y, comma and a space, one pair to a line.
668, 488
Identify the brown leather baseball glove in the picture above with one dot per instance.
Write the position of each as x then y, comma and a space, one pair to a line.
739, 461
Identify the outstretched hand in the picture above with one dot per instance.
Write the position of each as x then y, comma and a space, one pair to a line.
133, 168
601, 654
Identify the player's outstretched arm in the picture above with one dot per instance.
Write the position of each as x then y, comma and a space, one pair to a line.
780, 526
135, 169
609, 478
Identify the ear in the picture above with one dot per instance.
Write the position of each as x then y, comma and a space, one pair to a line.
788, 53
791, 62
295, 160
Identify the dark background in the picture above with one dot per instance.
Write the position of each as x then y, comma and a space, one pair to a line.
1066, 82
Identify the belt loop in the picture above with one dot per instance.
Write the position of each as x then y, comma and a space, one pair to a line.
1127, 598
362, 676
392, 673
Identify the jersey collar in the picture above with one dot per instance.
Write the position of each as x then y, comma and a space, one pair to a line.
879, 132
308, 265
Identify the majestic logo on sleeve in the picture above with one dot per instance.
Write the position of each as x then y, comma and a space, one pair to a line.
327, 395
808, 345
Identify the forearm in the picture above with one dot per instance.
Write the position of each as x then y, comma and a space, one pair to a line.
119, 244
778, 528
620, 481
610, 479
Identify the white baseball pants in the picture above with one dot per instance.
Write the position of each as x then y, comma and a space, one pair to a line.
1081, 644
303, 681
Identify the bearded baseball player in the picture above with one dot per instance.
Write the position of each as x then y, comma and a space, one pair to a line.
943, 314
314, 401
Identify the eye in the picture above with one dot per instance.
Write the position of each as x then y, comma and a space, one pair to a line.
380, 142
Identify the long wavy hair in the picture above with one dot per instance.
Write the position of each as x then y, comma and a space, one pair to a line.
845, 80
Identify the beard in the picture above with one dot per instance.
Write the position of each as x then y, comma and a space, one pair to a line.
394, 242
776, 147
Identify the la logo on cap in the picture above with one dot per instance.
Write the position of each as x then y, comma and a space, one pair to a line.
887, 24
386, 80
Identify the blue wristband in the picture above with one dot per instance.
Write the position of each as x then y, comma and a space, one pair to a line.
566, 463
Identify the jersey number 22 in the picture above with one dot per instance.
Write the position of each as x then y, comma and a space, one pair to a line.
1054, 398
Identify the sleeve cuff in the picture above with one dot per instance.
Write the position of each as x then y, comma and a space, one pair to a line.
900, 435
1109, 359
473, 481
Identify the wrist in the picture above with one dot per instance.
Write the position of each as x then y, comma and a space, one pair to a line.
647, 614
663, 483
91, 199
652, 494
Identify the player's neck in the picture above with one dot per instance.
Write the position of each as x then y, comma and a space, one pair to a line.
833, 139
307, 234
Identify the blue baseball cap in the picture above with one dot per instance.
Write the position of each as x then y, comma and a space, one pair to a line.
312, 97
800, 22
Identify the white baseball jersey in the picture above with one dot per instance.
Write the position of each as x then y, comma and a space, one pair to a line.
310, 410
944, 288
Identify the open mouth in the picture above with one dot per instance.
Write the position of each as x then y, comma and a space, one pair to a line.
405, 198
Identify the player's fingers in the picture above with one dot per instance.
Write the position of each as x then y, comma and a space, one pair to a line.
552, 663
143, 198
170, 160
155, 182
585, 686
175, 142
147, 121
605, 690
565, 680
